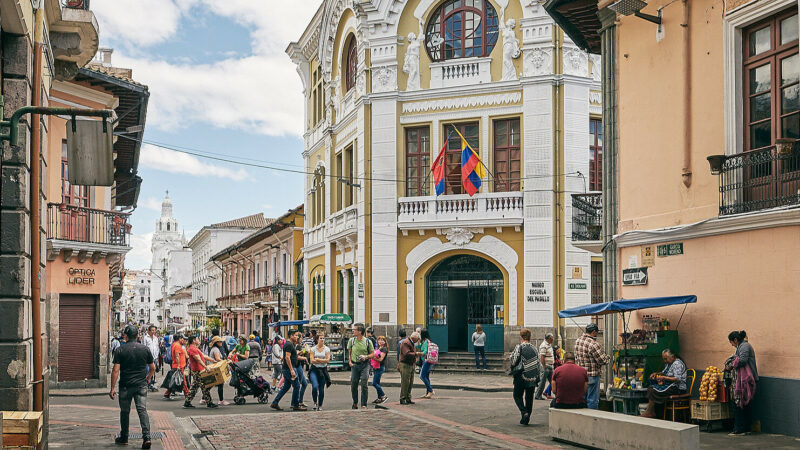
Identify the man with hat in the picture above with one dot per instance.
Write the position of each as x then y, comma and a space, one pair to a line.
589, 355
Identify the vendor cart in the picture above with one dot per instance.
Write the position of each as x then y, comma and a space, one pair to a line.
640, 352
283, 327
336, 328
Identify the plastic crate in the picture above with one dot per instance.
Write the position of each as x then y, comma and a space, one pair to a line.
706, 410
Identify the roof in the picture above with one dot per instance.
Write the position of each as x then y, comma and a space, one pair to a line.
578, 19
252, 221
131, 114
269, 229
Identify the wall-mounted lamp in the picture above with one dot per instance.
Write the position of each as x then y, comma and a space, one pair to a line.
634, 7
716, 162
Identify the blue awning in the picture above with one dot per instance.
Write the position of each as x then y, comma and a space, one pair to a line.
288, 323
626, 305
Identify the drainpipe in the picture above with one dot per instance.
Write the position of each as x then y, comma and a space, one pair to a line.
686, 171
36, 270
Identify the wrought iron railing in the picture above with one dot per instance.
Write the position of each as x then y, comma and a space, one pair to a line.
79, 224
75, 4
587, 216
759, 179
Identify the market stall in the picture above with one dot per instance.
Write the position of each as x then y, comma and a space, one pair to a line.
639, 352
336, 328
282, 327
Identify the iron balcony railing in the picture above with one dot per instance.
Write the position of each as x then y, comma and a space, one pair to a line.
587, 216
759, 179
75, 4
79, 224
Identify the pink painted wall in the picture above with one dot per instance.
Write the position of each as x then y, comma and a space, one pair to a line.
747, 280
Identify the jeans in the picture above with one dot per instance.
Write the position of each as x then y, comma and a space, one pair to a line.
289, 383
480, 352
376, 380
741, 418
358, 376
301, 376
152, 380
425, 376
406, 380
139, 396
593, 393
523, 395
546, 377
317, 378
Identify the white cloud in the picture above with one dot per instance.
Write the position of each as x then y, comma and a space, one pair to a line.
140, 255
259, 93
166, 160
151, 203
266, 206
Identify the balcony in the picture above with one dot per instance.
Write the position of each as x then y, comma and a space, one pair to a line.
491, 209
587, 221
342, 223
460, 72
86, 231
759, 179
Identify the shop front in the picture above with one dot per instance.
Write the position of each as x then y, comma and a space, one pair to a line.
463, 291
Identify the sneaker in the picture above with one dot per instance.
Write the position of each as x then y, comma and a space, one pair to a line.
275, 407
188, 405
146, 443
363, 406
739, 433
212, 405
319, 409
119, 440
314, 408
376, 401
223, 403
354, 406
383, 399
202, 402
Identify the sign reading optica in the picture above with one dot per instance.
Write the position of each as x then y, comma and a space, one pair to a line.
80, 276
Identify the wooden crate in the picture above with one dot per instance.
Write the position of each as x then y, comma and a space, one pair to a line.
217, 374
706, 410
22, 429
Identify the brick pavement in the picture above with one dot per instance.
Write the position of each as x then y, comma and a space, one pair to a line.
345, 429
84, 426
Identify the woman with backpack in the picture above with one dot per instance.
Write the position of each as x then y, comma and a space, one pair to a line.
525, 370
430, 356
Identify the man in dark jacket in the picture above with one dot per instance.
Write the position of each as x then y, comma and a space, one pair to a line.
131, 364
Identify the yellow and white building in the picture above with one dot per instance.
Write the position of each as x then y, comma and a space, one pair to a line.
385, 83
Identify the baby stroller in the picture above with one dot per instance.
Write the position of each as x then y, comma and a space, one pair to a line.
245, 384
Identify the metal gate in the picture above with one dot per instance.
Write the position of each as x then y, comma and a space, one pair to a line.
77, 337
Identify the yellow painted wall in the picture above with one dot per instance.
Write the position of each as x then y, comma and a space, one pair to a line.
651, 105
408, 24
405, 244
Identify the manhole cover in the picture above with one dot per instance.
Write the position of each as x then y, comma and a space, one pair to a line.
153, 435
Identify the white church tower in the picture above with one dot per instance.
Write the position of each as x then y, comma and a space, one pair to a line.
166, 238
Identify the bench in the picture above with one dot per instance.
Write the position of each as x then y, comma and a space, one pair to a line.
602, 429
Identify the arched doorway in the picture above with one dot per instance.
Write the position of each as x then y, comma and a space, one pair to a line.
461, 292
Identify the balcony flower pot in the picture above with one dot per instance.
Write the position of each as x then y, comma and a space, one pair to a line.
715, 162
784, 146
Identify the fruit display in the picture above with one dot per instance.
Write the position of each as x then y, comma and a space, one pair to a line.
709, 382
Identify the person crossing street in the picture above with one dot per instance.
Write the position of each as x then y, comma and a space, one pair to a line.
361, 350
152, 342
197, 364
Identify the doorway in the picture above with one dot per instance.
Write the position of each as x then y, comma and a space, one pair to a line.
461, 292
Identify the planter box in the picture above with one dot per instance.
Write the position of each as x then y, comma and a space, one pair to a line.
217, 374
22, 429
706, 410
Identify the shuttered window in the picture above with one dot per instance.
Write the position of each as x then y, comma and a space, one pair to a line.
77, 337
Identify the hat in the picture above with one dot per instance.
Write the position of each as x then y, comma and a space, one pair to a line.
252, 336
215, 339
592, 327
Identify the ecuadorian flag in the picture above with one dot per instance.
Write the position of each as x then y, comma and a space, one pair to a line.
472, 169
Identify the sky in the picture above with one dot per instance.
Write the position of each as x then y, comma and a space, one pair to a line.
219, 83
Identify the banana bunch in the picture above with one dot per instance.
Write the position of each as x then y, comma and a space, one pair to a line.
708, 384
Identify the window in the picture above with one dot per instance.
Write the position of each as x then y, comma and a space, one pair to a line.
339, 182
452, 174
462, 29
348, 187
350, 294
506, 155
597, 282
418, 160
317, 101
595, 155
71, 195
771, 81
351, 68
340, 281
285, 274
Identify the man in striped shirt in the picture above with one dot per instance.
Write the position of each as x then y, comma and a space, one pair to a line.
589, 355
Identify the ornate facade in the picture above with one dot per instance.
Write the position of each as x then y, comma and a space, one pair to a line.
387, 84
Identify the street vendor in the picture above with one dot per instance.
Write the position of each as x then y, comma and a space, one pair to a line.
668, 382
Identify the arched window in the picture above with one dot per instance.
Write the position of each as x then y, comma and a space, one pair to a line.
462, 29
351, 67
167, 226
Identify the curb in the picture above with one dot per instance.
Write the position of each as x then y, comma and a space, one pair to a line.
65, 393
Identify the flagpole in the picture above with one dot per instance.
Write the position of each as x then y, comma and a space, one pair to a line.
430, 169
476, 154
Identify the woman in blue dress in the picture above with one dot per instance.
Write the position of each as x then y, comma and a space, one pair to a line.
668, 382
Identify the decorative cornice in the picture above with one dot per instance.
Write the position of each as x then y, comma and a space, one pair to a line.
462, 102
713, 227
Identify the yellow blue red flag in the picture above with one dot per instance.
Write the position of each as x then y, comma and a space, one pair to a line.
472, 169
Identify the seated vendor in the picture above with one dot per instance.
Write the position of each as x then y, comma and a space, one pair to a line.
569, 384
670, 381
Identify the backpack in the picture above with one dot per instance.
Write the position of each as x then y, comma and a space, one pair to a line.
353, 340
432, 357
528, 366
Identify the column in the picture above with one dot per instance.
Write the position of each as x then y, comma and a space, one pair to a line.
345, 290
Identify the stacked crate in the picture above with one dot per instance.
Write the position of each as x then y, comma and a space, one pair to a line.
21, 429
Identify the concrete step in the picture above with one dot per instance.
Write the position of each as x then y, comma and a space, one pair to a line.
472, 371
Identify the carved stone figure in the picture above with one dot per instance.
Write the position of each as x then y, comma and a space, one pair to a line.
411, 62
459, 236
538, 61
511, 50
383, 79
